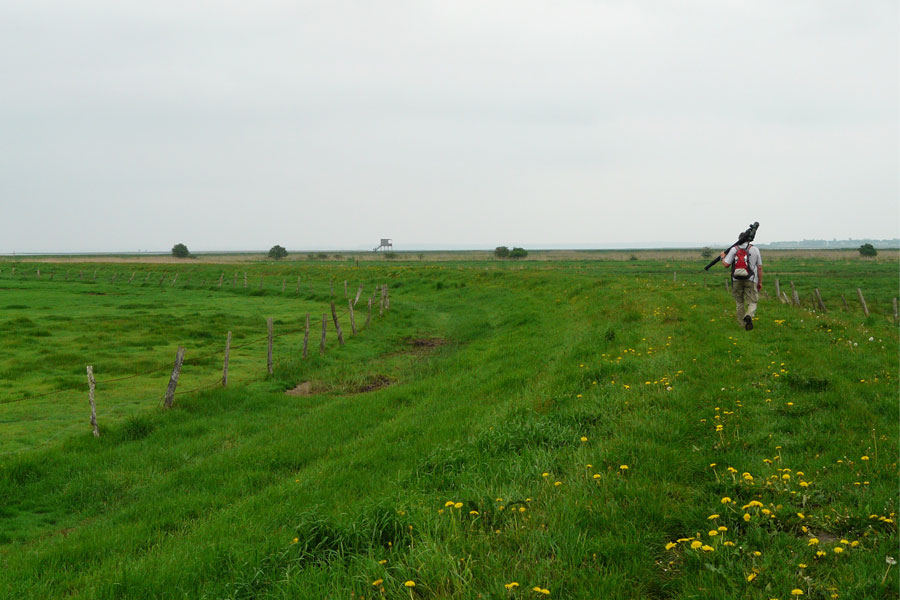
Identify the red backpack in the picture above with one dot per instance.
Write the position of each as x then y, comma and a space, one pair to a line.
740, 268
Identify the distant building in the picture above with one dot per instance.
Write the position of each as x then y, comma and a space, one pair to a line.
386, 244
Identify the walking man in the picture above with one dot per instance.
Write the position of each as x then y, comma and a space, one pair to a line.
745, 262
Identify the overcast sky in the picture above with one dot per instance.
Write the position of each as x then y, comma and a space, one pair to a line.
239, 125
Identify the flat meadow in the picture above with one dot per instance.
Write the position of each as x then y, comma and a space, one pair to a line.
580, 427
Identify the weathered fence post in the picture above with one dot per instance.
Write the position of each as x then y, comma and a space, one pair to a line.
145, 278
896, 314
38, 273
368, 314
221, 277
298, 284
283, 282
269, 350
381, 306
133, 273
91, 385
173, 381
819, 300
358, 294
337, 325
225, 365
345, 289
844, 300
306, 336
862, 301
778, 289
331, 287
387, 298
245, 278
174, 279
352, 318
261, 281
728, 285
113, 280
674, 276
795, 295
324, 329
95, 276
52, 273
234, 280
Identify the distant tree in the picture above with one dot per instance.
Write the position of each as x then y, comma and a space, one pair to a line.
420, 255
501, 252
518, 253
707, 252
277, 252
868, 250
180, 251
390, 255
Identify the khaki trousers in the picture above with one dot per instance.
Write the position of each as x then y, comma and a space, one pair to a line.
745, 297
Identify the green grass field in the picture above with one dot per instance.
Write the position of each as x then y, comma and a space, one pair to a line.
573, 429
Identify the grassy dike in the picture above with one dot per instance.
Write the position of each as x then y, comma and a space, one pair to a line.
568, 430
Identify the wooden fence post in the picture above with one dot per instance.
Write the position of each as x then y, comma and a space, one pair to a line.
728, 285
269, 350
261, 281
862, 301
38, 273
844, 300
52, 273
381, 306
819, 301
283, 282
113, 280
784, 298
91, 385
298, 284
245, 278
221, 277
345, 289
337, 325
133, 273
234, 280
674, 276
174, 279
352, 318
795, 295
324, 329
95, 276
387, 298
331, 287
145, 278
778, 289
358, 294
306, 336
225, 365
173, 381
896, 314
368, 314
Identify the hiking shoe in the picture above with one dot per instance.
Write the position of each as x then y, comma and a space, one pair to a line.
748, 322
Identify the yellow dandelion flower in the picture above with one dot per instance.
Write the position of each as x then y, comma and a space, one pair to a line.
670, 545
382, 562
295, 540
838, 549
623, 467
707, 548
802, 565
722, 528
409, 584
751, 576
711, 517
729, 543
796, 592
726, 500
863, 458
378, 582
521, 509
820, 553
801, 515
695, 544
812, 541
458, 505
583, 439
545, 474
746, 517
511, 585
713, 533
473, 512
596, 475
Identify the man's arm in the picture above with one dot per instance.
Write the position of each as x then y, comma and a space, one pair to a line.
722, 256
758, 278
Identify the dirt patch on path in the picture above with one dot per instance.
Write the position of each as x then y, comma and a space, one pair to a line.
368, 384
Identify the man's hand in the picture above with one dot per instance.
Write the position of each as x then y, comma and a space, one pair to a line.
759, 286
